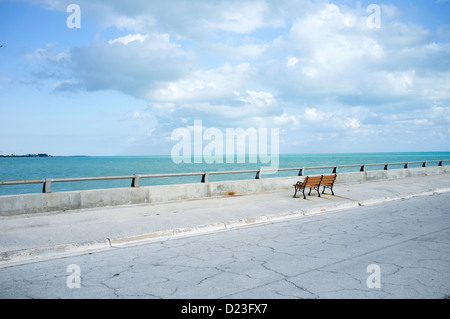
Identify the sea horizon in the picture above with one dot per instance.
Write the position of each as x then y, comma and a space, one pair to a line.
165, 155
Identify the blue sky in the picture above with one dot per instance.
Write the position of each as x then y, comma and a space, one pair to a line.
137, 70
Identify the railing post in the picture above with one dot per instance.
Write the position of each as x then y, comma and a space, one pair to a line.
406, 165
258, 174
386, 167
205, 177
47, 185
440, 163
424, 164
335, 170
300, 172
135, 181
363, 168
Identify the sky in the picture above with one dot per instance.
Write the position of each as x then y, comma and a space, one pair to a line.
331, 76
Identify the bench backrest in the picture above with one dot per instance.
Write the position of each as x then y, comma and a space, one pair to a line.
313, 181
327, 180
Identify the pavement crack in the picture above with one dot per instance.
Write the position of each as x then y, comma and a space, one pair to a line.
302, 288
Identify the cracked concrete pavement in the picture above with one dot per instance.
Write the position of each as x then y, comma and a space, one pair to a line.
31, 237
320, 255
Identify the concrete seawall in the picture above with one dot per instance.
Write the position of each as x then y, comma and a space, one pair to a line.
60, 201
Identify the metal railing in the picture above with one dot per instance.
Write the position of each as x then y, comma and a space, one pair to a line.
135, 179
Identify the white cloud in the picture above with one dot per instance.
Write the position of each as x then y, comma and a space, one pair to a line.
243, 17
48, 54
258, 99
186, 18
352, 123
297, 64
292, 122
334, 53
236, 52
129, 38
132, 64
291, 61
312, 114
210, 85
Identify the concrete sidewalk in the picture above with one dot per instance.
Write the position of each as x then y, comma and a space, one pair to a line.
28, 238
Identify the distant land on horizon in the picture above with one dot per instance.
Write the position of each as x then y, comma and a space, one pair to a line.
28, 155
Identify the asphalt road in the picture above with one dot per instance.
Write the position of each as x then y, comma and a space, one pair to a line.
397, 249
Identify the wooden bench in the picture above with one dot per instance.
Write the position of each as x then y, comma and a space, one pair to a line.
314, 182
328, 182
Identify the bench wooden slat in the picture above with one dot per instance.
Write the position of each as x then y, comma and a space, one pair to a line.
328, 180
314, 181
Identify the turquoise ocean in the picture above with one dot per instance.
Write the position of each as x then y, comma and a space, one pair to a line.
21, 168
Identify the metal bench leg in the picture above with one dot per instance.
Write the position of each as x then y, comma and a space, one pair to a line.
330, 187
